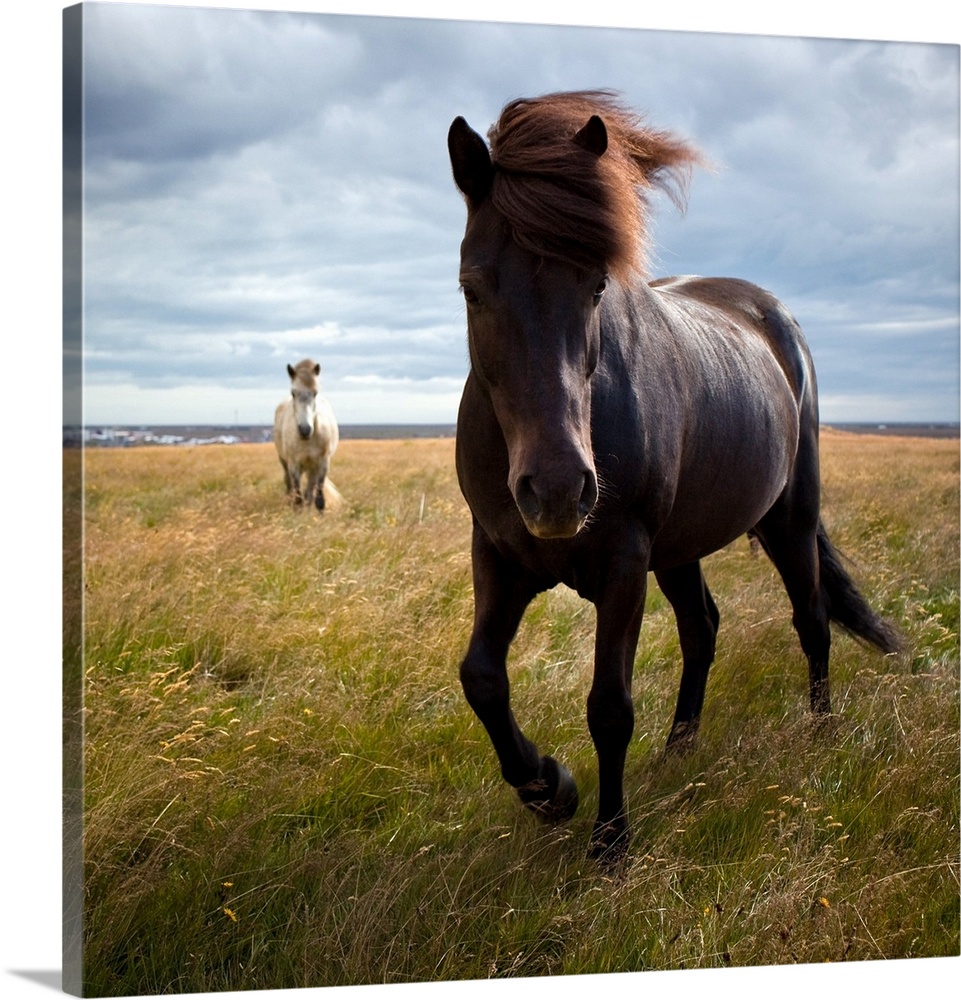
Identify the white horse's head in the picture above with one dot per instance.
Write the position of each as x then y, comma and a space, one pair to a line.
303, 391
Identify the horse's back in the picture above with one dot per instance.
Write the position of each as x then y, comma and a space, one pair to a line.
752, 309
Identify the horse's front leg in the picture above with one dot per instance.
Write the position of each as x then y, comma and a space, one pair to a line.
294, 475
697, 621
502, 592
317, 490
610, 711
286, 469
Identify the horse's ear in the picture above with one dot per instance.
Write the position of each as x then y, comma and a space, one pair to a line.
317, 369
290, 371
470, 159
593, 136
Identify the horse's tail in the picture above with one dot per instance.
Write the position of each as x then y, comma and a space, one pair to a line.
332, 496
847, 606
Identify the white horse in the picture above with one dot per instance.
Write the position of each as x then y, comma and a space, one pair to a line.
306, 436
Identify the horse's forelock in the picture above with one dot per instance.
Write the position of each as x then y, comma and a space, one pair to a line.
305, 373
563, 201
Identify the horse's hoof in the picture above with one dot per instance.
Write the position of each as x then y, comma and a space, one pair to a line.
682, 739
552, 795
610, 841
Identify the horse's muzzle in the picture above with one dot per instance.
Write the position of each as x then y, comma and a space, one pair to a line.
304, 430
556, 506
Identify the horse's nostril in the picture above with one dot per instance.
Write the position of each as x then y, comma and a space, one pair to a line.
556, 506
588, 494
526, 497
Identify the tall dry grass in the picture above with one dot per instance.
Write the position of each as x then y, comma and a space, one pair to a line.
284, 786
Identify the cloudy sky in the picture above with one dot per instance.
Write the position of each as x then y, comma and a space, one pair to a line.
809, 121
260, 187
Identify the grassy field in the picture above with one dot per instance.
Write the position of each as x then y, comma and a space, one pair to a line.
284, 786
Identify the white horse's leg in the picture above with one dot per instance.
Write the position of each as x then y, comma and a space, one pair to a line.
319, 501
314, 490
295, 477
287, 482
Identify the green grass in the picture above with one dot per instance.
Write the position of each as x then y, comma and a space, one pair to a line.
284, 786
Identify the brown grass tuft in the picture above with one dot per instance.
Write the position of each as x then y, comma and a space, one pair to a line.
285, 787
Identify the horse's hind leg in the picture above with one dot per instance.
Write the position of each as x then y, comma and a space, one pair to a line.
697, 621
501, 595
793, 550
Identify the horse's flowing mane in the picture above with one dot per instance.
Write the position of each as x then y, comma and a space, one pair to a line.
565, 202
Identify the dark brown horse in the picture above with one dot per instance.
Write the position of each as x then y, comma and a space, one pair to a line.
610, 427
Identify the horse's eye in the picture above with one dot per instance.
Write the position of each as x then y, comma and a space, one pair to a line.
470, 296
601, 288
